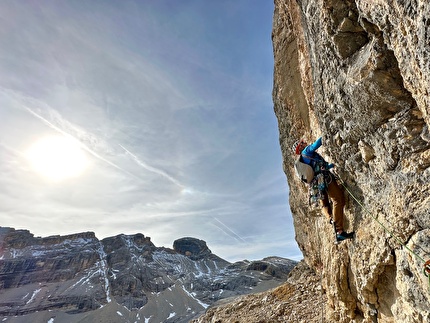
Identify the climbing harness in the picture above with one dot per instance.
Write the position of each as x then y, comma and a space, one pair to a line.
318, 186
317, 189
318, 165
426, 263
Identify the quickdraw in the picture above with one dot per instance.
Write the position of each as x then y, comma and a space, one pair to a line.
319, 185
317, 189
427, 269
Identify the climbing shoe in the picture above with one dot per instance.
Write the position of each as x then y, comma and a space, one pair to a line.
344, 235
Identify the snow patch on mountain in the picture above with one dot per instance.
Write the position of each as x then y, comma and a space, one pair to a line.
103, 270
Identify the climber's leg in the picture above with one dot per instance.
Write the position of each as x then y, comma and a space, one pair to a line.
325, 207
336, 195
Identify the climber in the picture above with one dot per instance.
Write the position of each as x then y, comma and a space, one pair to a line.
330, 187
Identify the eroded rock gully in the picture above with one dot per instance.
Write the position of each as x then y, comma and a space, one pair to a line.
357, 73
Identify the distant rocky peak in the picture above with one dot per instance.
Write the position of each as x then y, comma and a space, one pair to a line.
9, 237
136, 241
88, 279
23, 243
193, 248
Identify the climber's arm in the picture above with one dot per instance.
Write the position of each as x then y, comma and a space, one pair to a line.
313, 147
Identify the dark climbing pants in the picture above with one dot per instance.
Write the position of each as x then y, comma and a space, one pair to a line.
335, 193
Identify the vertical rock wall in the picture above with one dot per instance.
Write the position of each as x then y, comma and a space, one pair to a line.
357, 73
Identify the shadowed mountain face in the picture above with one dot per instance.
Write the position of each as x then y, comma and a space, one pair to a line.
120, 279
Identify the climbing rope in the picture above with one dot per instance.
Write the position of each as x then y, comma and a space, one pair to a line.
426, 263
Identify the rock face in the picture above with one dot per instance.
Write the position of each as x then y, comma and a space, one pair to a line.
298, 300
357, 73
126, 278
193, 248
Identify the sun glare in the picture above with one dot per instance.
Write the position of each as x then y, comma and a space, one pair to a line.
57, 158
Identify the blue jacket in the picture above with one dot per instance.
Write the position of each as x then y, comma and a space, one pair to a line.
311, 157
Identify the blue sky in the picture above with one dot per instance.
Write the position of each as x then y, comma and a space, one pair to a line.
171, 104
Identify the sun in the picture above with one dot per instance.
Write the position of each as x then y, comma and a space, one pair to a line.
57, 158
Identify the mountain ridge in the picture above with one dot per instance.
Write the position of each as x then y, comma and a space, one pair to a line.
78, 278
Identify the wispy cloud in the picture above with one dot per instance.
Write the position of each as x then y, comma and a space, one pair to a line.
227, 230
152, 169
172, 106
86, 148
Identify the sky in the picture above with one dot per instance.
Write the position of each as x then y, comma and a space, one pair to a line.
151, 117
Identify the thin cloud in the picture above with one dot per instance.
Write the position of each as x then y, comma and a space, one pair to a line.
176, 115
227, 230
152, 169
86, 148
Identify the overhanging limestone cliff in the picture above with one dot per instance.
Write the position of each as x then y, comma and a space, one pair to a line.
358, 74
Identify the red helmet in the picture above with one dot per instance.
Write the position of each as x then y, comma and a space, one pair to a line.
297, 147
